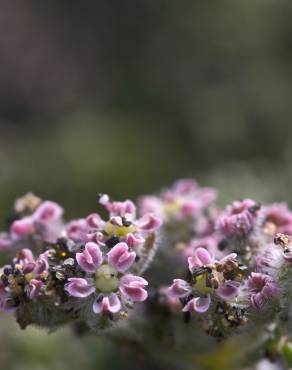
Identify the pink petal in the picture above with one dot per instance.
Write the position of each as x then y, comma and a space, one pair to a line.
231, 256
79, 287
91, 258
48, 212
198, 304
22, 227
132, 288
120, 258
228, 290
35, 287
125, 209
179, 289
77, 230
200, 258
204, 256
134, 240
41, 264
149, 222
25, 255
94, 221
28, 267
109, 303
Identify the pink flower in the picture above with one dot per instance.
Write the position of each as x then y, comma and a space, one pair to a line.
262, 289
22, 227
210, 278
29, 264
125, 209
91, 258
103, 304
79, 287
77, 230
132, 287
47, 212
120, 257
239, 218
279, 215
184, 200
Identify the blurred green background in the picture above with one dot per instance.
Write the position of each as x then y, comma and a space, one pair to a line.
125, 97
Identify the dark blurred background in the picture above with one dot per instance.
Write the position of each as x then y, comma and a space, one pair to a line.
126, 96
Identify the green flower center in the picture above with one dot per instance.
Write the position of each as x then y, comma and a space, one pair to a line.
106, 279
113, 230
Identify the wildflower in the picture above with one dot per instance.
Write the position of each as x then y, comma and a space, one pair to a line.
277, 218
44, 222
209, 277
261, 290
106, 278
239, 218
185, 199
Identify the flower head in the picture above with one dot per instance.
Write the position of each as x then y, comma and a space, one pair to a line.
261, 289
209, 277
106, 278
239, 218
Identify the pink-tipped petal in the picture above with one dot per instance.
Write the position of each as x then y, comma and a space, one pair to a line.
179, 289
105, 304
94, 221
120, 258
132, 287
91, 258
25, 256
79, 287
134, 240
35, 287
149, 223
199, 304
41, 264
200, 258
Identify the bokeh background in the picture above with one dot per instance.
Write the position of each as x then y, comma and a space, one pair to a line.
125, 97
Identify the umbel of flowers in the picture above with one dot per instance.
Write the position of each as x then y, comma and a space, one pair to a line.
230, 270
84, 270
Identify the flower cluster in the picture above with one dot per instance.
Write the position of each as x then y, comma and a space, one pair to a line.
85, 270
184, 204
33, 222
228, 270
